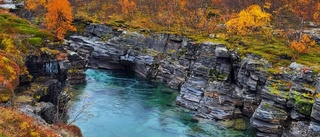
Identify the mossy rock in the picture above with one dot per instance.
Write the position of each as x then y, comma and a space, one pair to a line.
304, 107
303, 103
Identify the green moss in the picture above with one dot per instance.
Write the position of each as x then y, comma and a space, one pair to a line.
222, 76
303, 105
212, 73
267, 105
287, 95
36, 41
10, 24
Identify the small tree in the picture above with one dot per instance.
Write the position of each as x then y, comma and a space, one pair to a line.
248, 21
303, 45
59, 17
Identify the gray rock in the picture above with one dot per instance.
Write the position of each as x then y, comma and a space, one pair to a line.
314, 129
211, 108
296, 66
267, 118
268, 113
296, 129
175, 83
223, 112
47, 111
222, 52
265, 127
31, 111
250, 104
261, 134
186, 103
279, 99
317, 81
296, 115
98, 30
252, 84
315, 114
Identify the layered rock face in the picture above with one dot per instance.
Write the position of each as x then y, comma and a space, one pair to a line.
213, 81
42, 94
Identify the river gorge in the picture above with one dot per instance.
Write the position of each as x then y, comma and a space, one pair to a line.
168, 85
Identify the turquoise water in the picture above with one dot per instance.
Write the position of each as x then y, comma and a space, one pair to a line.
125, 105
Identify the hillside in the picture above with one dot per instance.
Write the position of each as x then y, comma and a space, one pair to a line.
203, 20
18, 39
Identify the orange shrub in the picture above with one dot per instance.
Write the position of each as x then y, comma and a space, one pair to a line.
17, 124
303, 45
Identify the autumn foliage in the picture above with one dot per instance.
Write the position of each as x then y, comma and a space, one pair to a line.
128, 7
202, 17
249, 21
58, 17
303, 45
11, 66
35, 4
180, 16
17, 124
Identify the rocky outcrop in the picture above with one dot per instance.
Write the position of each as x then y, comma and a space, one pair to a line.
41, 93
213, 81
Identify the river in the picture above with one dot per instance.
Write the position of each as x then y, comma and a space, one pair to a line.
122, 104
